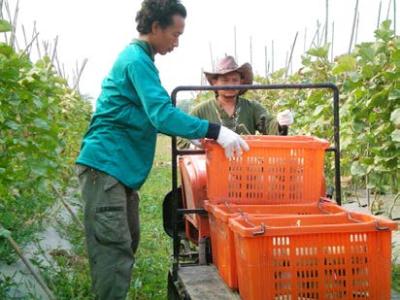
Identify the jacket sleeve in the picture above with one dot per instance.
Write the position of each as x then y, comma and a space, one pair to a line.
158, 105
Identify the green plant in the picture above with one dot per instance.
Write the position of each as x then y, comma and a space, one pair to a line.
41, 123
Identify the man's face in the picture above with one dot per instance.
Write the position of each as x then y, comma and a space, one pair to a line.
166, 39
232, 78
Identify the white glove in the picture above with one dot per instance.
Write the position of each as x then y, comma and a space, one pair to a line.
196, 144
285, 118
232, 143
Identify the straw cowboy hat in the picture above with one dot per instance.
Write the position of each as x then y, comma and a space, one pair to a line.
227, 65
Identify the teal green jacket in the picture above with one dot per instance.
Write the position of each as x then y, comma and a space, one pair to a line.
131, 109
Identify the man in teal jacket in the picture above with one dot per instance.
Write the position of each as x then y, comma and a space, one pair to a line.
118, 150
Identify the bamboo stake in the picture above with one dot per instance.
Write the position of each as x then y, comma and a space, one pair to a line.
266, 61
14, 26
333, 35
66, 77
59, 67
357, 24
211, 56
66, 205
54, 50
46, 48
35, 275
29, 45
234, 42
379, 14
305, 39
251, 50
320, 39
353, 28
24, 35
397, 197
312, 44
291, 54
394, 16
318, 33
79, 74
326, 21
273, 57
7, 8
286, 63
37, 41
388, 10
1, 17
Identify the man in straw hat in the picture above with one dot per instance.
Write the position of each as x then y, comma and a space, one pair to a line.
237, 113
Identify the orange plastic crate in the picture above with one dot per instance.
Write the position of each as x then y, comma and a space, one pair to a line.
276, 170
343, 256
222, 238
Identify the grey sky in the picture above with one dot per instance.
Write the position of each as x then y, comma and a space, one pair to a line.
99, 30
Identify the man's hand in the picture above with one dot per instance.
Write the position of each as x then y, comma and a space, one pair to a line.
285, 118
232, 143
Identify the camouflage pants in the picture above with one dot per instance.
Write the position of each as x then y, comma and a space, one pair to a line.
111, 219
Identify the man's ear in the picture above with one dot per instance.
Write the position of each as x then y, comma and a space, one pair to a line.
155, 27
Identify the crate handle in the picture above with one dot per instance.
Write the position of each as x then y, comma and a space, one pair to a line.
377, 224
261, 231
320, 206
379, 227
228, 206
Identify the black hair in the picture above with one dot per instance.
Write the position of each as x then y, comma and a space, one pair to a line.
160, 11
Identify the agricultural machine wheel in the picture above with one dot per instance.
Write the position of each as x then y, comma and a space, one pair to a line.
169, 212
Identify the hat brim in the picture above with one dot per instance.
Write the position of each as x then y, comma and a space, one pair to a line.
245, 71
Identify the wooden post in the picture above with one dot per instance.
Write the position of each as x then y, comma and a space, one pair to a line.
353, 27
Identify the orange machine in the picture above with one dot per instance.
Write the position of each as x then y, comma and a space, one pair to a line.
194, 192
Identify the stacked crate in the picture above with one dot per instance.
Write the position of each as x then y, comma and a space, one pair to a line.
272, 235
